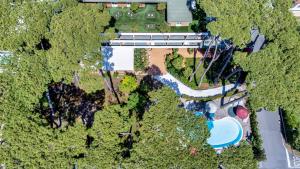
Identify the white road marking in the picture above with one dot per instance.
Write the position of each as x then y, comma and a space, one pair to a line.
296, 162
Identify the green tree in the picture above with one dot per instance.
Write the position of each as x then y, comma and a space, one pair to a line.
128, 84
161, 6
167, 135
133, 100
23, 25
163, 27
238, 157
134, 6
30, 77
232, 23
75, 38
104, 150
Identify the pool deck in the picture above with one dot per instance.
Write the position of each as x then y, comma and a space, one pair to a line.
224, 112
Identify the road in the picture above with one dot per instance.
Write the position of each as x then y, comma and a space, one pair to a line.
276, 154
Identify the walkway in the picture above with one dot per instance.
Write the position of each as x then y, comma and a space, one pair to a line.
157, 58
182, 89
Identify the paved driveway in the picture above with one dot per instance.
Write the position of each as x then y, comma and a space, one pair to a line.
269, 126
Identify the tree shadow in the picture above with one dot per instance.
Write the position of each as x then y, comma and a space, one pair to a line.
107, 53
147, 84
112, 87
69, 103
194, 67
153, 70
44, 44
199, 15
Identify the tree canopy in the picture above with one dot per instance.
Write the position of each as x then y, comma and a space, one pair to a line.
75, 40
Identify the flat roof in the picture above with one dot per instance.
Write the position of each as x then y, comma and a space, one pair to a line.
118, 58
178, 11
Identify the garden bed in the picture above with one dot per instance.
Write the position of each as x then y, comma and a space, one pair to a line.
182, 68
140, 59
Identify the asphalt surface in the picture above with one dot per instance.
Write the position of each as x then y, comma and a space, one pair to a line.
269, 126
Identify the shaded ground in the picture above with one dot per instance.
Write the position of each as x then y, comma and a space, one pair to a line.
63, 104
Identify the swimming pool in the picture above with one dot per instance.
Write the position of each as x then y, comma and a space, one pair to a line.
224, 132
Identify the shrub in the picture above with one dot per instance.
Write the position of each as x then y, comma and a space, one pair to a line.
134, 6
161, 6
258, 151
164, 28
191, 50
128, 84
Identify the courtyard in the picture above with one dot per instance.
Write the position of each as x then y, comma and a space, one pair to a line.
145, 19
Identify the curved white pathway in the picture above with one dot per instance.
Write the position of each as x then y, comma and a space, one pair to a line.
182, 89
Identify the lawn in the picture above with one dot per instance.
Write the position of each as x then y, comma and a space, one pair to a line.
90, 81
192, 64
182, 68
146, 19
181, 29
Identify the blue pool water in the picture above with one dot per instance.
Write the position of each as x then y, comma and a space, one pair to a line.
224, 132
198, 113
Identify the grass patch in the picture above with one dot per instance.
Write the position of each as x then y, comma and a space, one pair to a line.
182, 68
90, 81
180, 29
192, 64
146, 19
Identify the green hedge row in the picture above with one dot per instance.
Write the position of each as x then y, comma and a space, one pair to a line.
256, 140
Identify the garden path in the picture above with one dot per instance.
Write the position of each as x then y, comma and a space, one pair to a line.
182, 89
157, 58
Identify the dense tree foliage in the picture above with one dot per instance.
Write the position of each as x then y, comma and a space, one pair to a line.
75, 40
134, 6
238, 157
44, 38
167, 135
39, 146
23, 25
